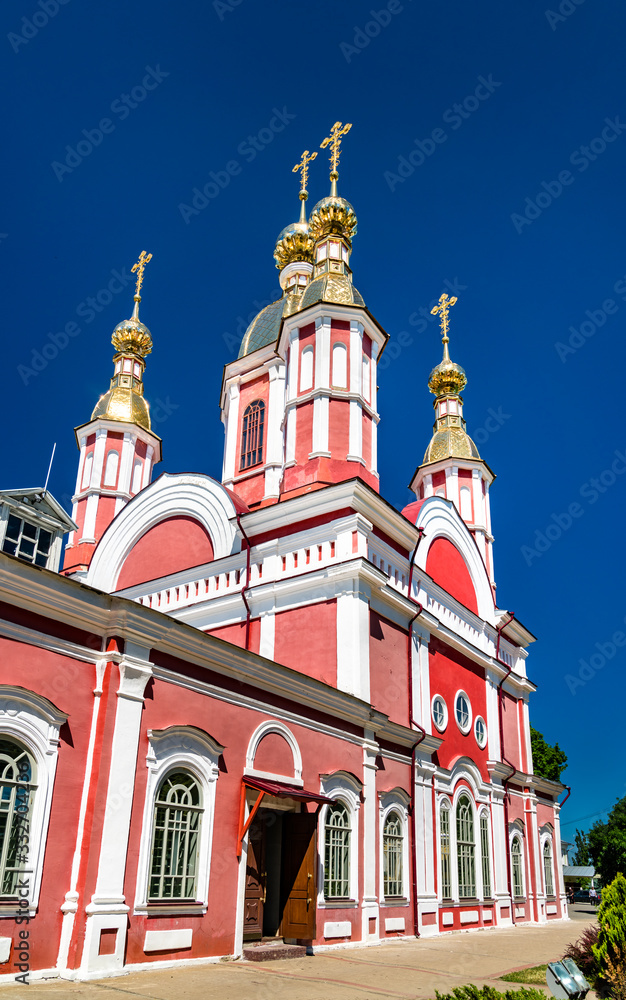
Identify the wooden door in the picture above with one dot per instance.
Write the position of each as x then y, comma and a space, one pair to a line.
299, 876
256, 876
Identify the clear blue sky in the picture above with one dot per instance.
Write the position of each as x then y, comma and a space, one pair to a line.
534, 89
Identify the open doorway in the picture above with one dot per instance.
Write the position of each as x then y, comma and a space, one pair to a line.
281, 876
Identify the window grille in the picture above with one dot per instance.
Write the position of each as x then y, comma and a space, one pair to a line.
252, 434
392, 855
337, 852
547, 868
16, 795
446, 873
177, 814
516, 858
27, 541
465, 848
484, 855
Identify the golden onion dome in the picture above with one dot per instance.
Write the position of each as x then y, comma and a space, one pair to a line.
333, 216
447, 378
132, 337
294, 243
124, 401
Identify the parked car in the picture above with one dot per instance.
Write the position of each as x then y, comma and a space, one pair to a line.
582, 896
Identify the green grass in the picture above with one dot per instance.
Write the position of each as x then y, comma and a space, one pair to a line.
536, 974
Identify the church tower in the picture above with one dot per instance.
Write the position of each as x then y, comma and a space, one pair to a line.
117, 446
299, 404
452, 467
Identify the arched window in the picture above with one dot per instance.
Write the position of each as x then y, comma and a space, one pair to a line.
465, 848
366, 378
306, 369
516, 866
337, 852
16, 798
547, 868
110, 469
340, 366
466, 503
484, 854
174, 858
252, 434
446, 870
87, 470
392, 855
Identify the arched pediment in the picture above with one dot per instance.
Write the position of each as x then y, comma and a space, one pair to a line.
196, 497
440, 519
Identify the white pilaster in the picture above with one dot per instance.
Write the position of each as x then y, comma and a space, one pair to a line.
89, 524
375, 351
356, 358
147, 466
290, 444
322, 353
231, 419
294, 363
321, 411
126, 463
355, 444
98, 457
268, 631
353, 629
369, 902
276, 412
374, 453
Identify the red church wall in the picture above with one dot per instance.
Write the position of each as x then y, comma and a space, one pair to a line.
104, 515
388, 668
306, 640
448, 568
339, 429
304, 432
510, 729
236, 634
450, 672
68, 684
172, 545
274, 755
367, 440
306, 339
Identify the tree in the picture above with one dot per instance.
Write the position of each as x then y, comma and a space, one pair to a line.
607, 843
548, 761
582, 856
610, 951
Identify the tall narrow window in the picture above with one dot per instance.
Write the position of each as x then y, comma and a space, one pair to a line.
446, 874
392, 855
337, 852
465, 848
516, 865
177, 814
340, 366
547, 868
466, 503
252, 434
306, 369
110, 469
16, 795
484, 855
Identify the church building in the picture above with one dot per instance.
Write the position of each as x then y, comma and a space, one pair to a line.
266, 710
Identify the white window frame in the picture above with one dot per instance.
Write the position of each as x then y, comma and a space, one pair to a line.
179, 748
34, 723
464, 792
444, 803
478, 719
463, 729
344, 787
483, 813
548, 839
517, 834
444, 725
396, 801
339, 365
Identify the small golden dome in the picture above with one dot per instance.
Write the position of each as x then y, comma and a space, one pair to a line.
124, 404
333, 215
294, 243
447, 378
450, 442
132, 337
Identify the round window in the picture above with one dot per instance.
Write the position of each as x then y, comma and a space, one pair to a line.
463, 712
480, 731
440, 713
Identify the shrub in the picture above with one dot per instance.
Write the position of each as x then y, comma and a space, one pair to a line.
610, 951
582, 952
472, 992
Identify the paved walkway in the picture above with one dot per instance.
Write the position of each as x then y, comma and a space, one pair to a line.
403, 971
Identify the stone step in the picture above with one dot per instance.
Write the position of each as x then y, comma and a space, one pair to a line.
272, 951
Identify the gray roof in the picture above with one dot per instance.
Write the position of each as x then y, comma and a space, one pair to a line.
579, 871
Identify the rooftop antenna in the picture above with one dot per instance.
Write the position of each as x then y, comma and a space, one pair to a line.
54, 448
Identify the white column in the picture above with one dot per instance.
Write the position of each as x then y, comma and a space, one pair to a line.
124, 480
374, 454
478, 499
428, 486
500, 852
356, 358
290, 442
355, 441
98, 458
353, 630
320, 426
108, 909
268, 630
421, 679
322, 353
375, 351
369, 902
425, 833
147, 467
89, 524
81, 464
231, 420
535, 893
493, 719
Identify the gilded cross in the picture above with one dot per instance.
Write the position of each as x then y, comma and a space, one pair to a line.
140, 267
303, 166
445, 303
334, 141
